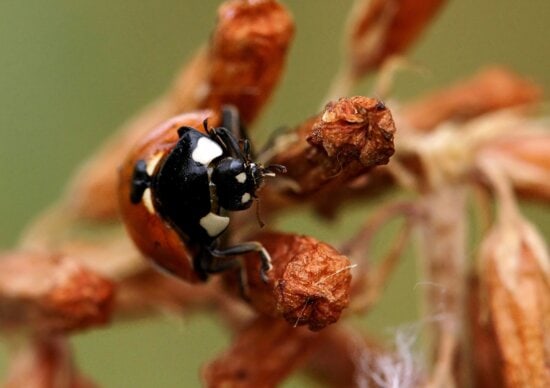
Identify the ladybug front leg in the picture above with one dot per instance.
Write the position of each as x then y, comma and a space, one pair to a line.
247, 247
231, 132
232, 121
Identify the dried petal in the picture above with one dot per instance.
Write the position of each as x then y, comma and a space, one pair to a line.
491, 89
48, 293
526, 159
308, 285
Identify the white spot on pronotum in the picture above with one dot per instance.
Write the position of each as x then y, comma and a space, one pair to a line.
153, 162
214, 224
241, 178
206, 151
245, 198
148, 201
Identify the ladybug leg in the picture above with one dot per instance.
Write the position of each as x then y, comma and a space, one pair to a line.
227, 140
247, 247
232, 131
232, 121
206, 264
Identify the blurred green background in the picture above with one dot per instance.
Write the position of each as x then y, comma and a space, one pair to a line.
72, 72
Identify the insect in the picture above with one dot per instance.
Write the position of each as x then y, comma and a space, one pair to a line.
185, 186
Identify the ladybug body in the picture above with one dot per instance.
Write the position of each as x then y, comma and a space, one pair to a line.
192, 186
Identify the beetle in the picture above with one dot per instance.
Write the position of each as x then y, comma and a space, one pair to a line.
184, 183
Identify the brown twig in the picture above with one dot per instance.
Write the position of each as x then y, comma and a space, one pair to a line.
45, 363
45, 293
490, 90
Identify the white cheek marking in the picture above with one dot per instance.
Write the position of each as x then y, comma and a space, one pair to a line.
206, 151
245, 198
241, 178
152, 163
148, 201
214, 224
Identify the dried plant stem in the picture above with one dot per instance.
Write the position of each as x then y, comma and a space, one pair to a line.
370, 282
359, 244
443, 257
45, 362
379, 276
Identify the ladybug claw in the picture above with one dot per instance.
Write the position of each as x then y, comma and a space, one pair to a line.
263, 274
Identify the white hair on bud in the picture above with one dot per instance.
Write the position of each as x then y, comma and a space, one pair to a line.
397, 369
403, 366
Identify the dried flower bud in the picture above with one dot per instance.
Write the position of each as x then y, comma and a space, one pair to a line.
48, 293
45, 363
486, 360
526, 160
516, 278
261, 355
491, 89
241, 66
246, 56
349, 137
308, 285
380, 29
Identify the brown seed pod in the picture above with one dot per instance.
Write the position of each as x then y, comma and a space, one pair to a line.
515, 277
308, 285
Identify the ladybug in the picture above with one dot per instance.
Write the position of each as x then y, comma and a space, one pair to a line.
178, 188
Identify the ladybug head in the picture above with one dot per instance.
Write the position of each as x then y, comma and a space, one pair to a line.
237, 181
